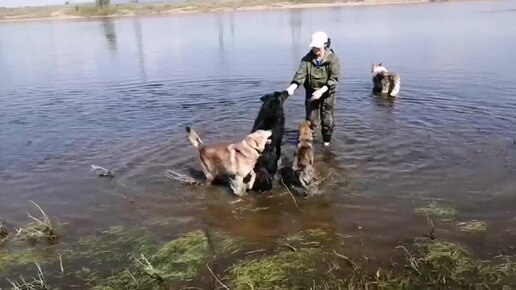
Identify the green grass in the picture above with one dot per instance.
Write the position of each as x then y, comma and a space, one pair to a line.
284, 270
472, 226
437, 210
119, 258
19, 257
180, 260
90, 10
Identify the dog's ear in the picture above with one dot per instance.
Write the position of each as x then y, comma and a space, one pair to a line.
251, 141
265, 97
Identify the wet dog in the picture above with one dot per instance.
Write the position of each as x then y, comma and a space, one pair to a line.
271, 117
385, 82
237, 159
304, 157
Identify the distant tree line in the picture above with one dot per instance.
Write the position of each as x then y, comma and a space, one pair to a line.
102, 3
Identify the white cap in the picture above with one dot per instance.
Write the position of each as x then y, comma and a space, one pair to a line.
319, 39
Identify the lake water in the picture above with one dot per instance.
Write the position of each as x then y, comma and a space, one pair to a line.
118, 93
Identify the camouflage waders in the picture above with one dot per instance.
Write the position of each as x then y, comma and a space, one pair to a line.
321, 113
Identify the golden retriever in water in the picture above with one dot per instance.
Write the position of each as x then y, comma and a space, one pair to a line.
304, 160
236, 159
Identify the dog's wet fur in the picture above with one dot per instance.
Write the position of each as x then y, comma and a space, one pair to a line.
235, 159
304, 157
270, 117
385, 82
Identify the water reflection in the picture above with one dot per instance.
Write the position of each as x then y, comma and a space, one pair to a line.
232, 26
139, 47
295, 20
295, 26
383, 101
108, 27
220, 31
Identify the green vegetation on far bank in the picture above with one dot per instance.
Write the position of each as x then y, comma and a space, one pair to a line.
134, 9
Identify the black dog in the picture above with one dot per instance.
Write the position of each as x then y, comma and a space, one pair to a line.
270, 117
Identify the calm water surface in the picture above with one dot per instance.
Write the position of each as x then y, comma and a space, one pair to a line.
119, 92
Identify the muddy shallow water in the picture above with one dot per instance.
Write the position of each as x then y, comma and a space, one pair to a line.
119, 92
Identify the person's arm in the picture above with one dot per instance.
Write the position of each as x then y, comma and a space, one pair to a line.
334, 76
299, 77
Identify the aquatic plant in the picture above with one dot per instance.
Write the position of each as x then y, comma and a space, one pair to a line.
37, 283
40, 228
179, 260
295, 263
436, 209
448, 265
284, 270
9, 258
472, 226
119, 258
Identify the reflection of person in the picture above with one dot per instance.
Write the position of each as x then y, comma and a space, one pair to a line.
319, 73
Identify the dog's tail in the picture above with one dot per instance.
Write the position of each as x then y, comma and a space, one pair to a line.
194, 138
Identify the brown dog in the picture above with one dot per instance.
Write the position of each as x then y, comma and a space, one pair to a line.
304, 158
236, 159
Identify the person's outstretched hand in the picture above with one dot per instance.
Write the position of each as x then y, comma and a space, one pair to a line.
318, 93
291, 89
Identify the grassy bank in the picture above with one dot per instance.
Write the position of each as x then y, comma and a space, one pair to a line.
119, 258
316, 258
189, 6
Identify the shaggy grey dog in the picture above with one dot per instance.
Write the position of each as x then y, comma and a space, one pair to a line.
385, 82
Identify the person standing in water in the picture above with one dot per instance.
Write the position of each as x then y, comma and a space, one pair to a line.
319, 73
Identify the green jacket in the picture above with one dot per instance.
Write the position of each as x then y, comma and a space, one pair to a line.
313, 77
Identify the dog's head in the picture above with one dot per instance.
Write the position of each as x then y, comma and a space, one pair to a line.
270, 111
306, 131
378, 68
274, 99
258, 139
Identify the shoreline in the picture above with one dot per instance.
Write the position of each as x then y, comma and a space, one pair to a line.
131, 10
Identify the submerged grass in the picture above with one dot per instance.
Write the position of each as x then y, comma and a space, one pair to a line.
119, 258
179, 260
430, 265
447, 265
436, 209
35, 283
472, 226
284, 270
311, 236
9, 258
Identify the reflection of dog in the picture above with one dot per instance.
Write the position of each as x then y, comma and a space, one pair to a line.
236, 159
385, 82
304, 159
270, 117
